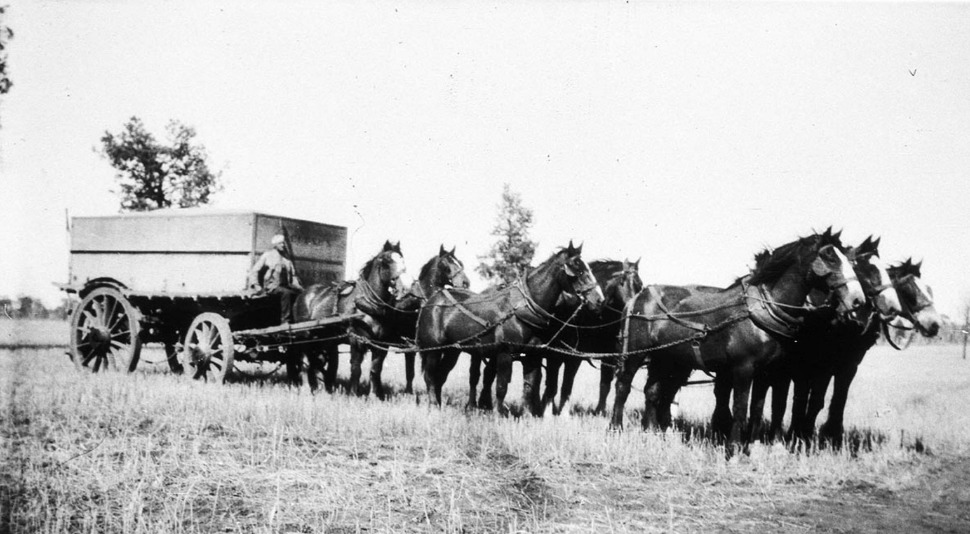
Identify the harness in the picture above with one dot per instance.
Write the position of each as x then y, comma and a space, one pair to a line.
768, 315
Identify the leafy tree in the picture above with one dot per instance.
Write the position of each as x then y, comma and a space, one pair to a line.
153, 175
512, 253
6, 34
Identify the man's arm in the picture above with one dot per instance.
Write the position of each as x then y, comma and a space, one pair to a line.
256, 273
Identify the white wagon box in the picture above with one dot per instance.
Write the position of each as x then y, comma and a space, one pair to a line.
197, 251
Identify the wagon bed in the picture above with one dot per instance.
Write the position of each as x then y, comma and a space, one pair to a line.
179, 278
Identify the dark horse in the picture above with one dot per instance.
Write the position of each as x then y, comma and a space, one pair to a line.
444, 270
831, 344
500, 321
381, 281
591, 332
732, 332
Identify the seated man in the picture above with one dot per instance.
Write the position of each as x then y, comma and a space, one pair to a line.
275, 274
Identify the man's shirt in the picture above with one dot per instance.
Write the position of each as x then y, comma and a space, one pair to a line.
274, 271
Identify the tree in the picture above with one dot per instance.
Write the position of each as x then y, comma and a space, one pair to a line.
512, 253
6, 34
153, 175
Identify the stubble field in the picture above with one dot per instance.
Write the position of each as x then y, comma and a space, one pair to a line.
153, 452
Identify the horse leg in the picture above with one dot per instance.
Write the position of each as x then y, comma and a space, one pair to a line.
357, 352
607, 371
816, 401
553, 364
651, 400
313, 368
721, 418
294, 368
569, 371
531, 378
474, 374
449, 357
331, 356
779, 403
626, 369
488, 380
742, 378
503, 370
668, 391
409, 372
759, 393
377, 357
429, 368
832, 430
799, 407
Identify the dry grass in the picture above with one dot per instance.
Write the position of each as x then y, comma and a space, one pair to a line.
152, 452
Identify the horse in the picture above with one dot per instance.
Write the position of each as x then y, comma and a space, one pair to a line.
587, 331
591, 332
499, 321
444, 270
733, 332
830, 345
381, 281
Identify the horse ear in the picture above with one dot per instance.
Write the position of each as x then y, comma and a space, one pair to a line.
441, 250
388, 246
875, 243
397, 248
579, 249
570, 249
453, 250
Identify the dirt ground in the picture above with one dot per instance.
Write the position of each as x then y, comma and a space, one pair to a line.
939, 502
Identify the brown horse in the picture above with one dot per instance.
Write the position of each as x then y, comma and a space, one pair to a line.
500, 321
830, 345
381, 281
733, 332
591, 332
444, 270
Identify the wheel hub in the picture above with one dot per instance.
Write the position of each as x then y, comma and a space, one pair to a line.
100, 335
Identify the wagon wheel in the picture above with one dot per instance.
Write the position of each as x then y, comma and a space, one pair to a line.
105, 332
208, 348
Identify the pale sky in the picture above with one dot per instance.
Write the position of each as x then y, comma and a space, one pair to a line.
690, 135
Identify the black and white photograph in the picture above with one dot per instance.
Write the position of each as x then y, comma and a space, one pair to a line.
611, 266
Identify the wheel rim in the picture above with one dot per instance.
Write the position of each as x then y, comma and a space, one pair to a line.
105, 332
208, 350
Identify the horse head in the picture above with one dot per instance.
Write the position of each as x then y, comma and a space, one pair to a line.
450, 270
874, 277
388, 271
624, 285
820, 264
915, 297
833, 268
577, 278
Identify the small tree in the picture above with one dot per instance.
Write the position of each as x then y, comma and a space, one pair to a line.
153, 175
512, 253
6, 34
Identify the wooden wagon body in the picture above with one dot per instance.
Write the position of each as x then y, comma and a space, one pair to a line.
179, 278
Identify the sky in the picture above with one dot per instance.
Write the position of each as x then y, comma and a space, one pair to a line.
689, 135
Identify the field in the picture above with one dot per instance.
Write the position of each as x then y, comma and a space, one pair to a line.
153, 452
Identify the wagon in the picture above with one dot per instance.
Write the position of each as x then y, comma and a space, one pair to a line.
179, 278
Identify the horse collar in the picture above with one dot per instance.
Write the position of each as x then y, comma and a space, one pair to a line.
526, 309
767, 314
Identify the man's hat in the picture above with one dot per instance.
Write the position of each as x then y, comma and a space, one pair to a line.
277, 239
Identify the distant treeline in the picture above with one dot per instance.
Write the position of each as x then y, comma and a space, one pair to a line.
27, 307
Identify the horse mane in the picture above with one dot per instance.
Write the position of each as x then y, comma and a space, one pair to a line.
426, 268
605, 268
869, 247
905, 268
772, 264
